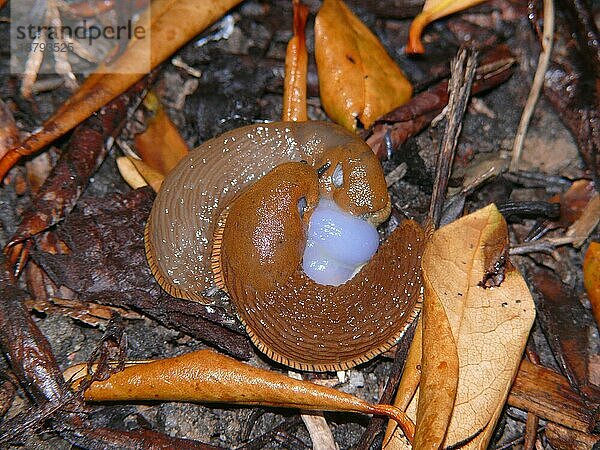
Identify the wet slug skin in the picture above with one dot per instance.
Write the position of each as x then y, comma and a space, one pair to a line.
236, 213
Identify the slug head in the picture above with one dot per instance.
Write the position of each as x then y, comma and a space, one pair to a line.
351, 175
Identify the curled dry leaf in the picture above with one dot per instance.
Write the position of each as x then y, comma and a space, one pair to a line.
130, 173
591, 277
490, 311
439, 377
358, 80
433, 362
572, 204
148, 175
433, 10
573, 201
206, 376
170, 26
296, 69
160, 147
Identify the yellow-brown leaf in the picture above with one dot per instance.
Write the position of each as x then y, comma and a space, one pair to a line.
358, 80
490, 323
207, 376
130, 173
433, 10
407, 388
489, 316
439, 377
152, 177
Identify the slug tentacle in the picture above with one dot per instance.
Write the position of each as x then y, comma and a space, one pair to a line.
235, 213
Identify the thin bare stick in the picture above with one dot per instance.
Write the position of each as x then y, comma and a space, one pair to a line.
459, 89
538, 82
396, 175
542, 245
318, 429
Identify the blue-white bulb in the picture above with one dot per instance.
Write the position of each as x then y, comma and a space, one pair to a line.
338, 244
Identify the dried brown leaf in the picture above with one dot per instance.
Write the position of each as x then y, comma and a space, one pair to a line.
407, 389
130, 173
358, 80
490, 311
587, 222
434, 360
152, 177
573, 201
206, 376
160, 145
490, 322
439, 378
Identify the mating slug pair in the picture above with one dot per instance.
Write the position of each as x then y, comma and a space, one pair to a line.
236, 214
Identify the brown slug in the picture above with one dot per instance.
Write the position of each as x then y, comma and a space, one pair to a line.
234, 213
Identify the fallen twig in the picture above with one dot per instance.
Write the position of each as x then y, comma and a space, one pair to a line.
567, 324
315, 423
538, 82
463, 72
549, 395
541, 245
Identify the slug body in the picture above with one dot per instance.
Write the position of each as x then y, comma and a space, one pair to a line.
235, 213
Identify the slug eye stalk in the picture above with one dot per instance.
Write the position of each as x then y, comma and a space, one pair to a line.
323, 169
